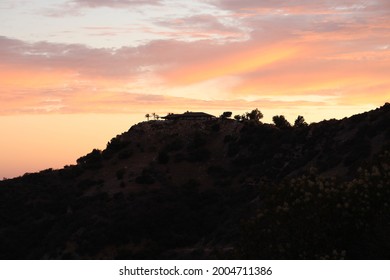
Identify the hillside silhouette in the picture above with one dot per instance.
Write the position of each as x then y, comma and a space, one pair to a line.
212, 189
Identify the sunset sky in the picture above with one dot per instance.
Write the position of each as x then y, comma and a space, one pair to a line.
74, 73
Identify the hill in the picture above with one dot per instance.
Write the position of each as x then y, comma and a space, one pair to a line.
211, 189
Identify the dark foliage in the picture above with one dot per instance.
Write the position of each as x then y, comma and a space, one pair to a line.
226, 115
245, 191
163, 157
93, 160
281, 122
300, 122
255, 115
146, 178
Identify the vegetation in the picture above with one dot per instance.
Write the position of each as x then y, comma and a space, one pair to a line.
254, 116
209, 190
300, 122
93, 160
316, 217
281, 122
226, 115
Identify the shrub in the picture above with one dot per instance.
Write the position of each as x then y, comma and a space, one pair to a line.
199, 155
215, 127
281, 122
227, 138
175, 145
125, 154
255, 115
198, 140
145, 178
300, 122
233, 149
226, 115
116, 144
93, 160
71, 172
163, 157
120, 173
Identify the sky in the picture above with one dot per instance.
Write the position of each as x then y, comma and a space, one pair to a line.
75, 73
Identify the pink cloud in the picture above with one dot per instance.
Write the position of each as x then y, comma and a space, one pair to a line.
202, 26
74, 7
83, 100
293, 5
80, 59
114, 3
327, 55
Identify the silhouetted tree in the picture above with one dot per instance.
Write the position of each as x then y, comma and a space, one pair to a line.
237, 117
226, 115
154, 115
300, 122
281, 122
254, 115
92, 160
147, 116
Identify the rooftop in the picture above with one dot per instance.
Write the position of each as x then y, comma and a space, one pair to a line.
189, 116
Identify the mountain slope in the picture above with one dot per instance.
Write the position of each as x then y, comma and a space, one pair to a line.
211, 189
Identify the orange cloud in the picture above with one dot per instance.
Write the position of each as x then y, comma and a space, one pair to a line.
319, 81
239, 62
17, 78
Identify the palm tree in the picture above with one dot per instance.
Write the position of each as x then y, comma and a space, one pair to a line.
147, 116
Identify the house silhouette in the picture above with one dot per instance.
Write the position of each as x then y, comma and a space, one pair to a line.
189, 116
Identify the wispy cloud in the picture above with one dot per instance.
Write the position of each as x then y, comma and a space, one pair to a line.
336, 52
113, 3
319, 59
202, 26
80, 60
79, 7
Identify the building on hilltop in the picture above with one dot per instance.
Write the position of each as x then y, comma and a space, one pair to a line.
193, 116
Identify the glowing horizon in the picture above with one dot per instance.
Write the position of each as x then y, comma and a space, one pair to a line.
118, 60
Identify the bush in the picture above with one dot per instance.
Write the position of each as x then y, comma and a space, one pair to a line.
71, 172
199, 155
175, 145
199, 140
120, 173
227, 138
93, 160
116, 144
215, 127
163, 157
125, 154
145, 178
233, 149
281, 122
226, 115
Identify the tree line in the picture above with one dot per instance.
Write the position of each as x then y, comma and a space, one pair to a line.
255, 116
